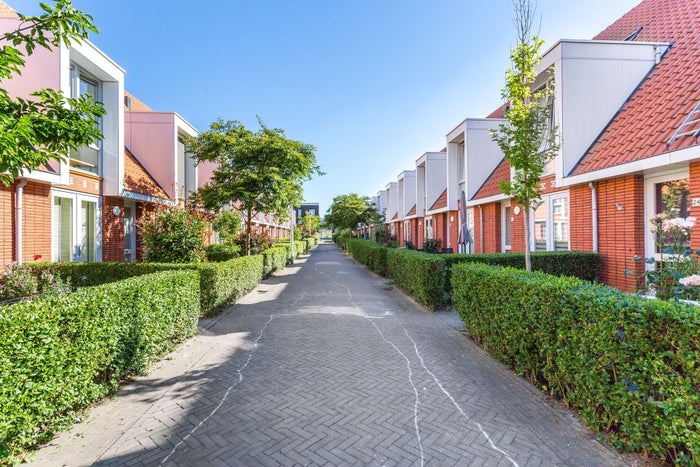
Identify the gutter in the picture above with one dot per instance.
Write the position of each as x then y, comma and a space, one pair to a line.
19, 192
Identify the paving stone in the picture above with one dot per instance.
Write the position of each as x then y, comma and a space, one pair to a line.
325, 364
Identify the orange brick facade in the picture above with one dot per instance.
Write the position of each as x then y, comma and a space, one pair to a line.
36, 220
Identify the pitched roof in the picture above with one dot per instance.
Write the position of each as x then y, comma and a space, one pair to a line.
662, 102
490, 186
6, 9
441, 202
137, 178
136, 105
412, 211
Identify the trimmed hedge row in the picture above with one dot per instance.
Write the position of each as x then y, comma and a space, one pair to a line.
274, 259
221, 283
373, 255
60, 354
582, 264
631, 365
218, 253
421, 275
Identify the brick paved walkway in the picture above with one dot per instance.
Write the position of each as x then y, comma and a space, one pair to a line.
326, 364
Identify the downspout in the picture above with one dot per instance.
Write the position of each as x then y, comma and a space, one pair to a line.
19, 191
594, 214
481, 229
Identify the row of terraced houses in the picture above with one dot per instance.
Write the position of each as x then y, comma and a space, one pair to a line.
89, 207
627, 109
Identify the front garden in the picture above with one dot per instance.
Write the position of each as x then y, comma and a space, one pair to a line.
72, 332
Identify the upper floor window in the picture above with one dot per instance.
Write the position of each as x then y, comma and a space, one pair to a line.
87, 157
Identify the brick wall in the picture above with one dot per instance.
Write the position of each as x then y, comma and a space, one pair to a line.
695, 211
580, 218
36, 219
621, 229
112, 229
421, 233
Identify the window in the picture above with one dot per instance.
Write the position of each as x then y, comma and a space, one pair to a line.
407, 231
460, 155
428, 227
668, 196
87, 157
75, 228
312, 212
550, 223
181, 186
507, 222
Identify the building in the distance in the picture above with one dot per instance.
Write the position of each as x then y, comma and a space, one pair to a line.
304, 209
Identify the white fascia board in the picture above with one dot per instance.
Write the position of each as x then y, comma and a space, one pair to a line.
185, 127
456, 132
487, 200
43, 176
438, 211
147, 198
96, 62
669, 159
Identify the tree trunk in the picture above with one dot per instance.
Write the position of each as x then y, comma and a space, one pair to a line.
248, 230
526, 218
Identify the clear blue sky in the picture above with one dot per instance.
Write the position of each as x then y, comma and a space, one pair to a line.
372, 83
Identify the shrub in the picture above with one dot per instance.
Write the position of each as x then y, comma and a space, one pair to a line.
20, 281
431, 245
258, 242
218, 252
419, 274
60, 354
629, 364
274, 259
370, 254
228, 225
174, 235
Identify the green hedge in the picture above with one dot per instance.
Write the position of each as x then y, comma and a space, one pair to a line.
274, 259
582, 264
221, 283
218, 253
631, 365
421, 275
60, 354
371, 254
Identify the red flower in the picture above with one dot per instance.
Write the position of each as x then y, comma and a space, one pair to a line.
37, 257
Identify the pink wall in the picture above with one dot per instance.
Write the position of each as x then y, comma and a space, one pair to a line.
150, 136
42, 69
204, 172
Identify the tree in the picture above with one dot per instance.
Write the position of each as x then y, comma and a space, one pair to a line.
528, 139
257, 172
349, 211
48, 125
309, 224
227, 224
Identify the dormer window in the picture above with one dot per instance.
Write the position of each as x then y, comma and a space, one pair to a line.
86, 158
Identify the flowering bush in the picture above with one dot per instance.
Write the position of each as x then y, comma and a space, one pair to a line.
18, 281
674, 274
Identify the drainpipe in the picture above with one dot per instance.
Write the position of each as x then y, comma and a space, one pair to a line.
18, 212
594, 214
481, 228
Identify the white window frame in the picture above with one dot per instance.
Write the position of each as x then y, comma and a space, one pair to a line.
77, 219
76, 74
549, 234
428, 227
130, 249
650, 182
506, 217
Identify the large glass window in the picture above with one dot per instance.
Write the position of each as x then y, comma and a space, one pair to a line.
407, 231
550, 223
507, 223
671, 201
428, 227
87, 157
75, 232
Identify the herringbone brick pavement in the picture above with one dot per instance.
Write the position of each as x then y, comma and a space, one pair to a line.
326, 364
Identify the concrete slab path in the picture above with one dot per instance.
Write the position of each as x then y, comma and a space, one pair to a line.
327, 364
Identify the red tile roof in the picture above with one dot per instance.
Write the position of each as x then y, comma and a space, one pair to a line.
490, 186
660, 105
137, 178
441, 202
498, 113
412, 212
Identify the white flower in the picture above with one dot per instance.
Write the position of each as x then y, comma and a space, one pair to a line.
693, 280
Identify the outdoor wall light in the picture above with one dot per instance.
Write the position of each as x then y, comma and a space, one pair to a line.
116, 211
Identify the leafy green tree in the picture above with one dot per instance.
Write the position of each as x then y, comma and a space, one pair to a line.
227, 224
175, 235
350, 211
48, 125
528, 139
309, 224
257, 171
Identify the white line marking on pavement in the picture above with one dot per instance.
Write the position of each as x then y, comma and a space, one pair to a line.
416, 403
454, 402
223, 399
